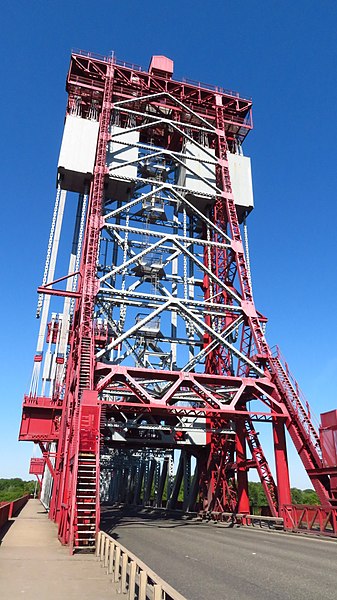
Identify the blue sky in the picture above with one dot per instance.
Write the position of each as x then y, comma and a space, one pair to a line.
283, 54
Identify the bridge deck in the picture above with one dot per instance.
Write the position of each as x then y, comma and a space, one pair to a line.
204, 562
34, 565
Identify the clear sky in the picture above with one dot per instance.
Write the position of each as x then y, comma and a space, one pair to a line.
283, 54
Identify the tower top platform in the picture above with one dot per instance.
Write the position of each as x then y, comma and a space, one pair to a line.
86, 77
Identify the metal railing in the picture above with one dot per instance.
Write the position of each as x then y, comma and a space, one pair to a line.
298, 402
129, 574
276, 353
231, 519
215, 88
8, 510
134, 67
303, 518
4, 514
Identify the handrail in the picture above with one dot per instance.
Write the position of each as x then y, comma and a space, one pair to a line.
4, 514
134, 67
276, 353
18, 504
130, 574
215, 88
310, 519
298, 401
8, 510
232, 519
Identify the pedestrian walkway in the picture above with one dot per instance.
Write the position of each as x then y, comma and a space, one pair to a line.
35, 566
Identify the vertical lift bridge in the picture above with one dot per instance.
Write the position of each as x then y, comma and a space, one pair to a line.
150, 345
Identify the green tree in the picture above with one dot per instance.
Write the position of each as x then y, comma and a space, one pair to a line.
296, 496
11, 489
257, 496
310, 497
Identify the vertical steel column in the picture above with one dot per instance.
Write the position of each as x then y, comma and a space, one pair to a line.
161, 484
139, 482
172, 501
194, 489
281, 464
187, 479
148, 487
242, 476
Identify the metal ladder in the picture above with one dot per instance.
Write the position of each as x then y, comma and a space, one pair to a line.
86, 499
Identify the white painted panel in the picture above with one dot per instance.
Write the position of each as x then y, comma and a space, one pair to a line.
78, 148
241, 179
199, 168
120, 151
197, 435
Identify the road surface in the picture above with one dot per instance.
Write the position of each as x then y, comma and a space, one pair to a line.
212, 562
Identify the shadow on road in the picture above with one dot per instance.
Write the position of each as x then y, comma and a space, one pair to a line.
112, 516
138, 517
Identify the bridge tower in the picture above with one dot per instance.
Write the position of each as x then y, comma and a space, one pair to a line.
152, 371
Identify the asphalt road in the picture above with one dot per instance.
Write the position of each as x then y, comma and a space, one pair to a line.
210, 562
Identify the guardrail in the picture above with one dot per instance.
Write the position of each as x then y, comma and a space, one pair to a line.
130, 575
232, 519
128, 65
303, 518
11, 509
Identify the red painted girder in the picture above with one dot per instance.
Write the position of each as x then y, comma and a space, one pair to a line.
109, 371
262, 467
205, 387
188, 411
303, 441
308, 518
63, 293
124, 68
322, 471
47, 455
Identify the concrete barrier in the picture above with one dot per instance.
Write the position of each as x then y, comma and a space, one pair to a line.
129, 574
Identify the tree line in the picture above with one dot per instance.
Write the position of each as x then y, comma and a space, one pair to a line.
258, 499
11, 489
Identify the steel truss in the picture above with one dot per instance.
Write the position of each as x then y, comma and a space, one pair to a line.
161, 340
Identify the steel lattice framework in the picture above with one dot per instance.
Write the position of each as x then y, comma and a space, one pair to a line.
158, 346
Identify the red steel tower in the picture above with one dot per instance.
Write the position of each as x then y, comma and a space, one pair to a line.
155, 347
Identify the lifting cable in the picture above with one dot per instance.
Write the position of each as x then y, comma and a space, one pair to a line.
49, 248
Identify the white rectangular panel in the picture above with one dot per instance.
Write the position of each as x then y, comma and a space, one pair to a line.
121, 150
197, 435
241, 179
199, 174
78, 148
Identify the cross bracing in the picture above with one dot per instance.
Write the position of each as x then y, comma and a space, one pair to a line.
159, 346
